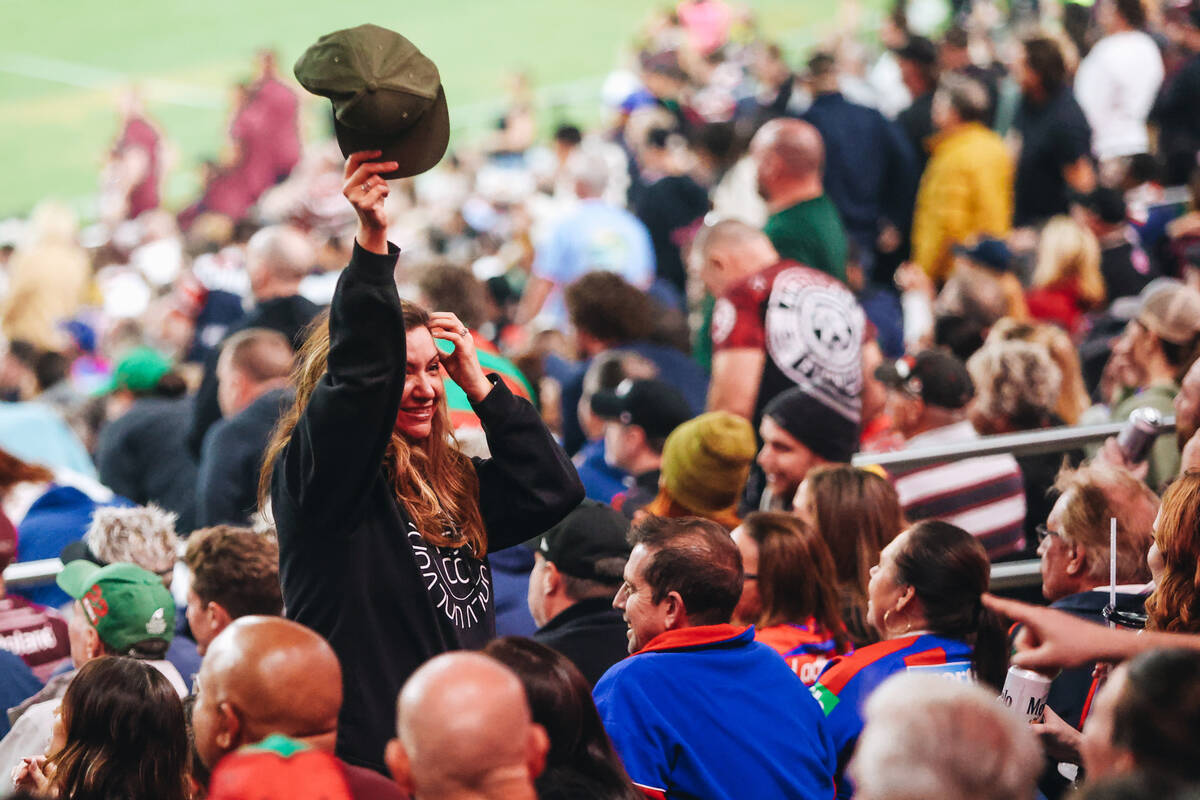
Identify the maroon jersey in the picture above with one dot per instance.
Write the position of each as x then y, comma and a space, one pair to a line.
35, 633
141, 135
281, 112
810, 326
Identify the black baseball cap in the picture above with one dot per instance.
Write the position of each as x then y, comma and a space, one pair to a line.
919, 50
592, 532
653, 405
937, 377
1106, 203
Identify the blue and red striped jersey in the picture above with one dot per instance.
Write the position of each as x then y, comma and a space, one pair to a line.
847, 681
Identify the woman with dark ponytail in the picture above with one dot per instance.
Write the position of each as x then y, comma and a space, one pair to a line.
925, 599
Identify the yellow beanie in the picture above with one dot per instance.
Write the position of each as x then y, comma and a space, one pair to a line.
706, 461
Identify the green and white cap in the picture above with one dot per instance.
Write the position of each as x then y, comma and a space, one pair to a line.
126, 604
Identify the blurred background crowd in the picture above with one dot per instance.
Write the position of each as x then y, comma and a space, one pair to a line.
965, 220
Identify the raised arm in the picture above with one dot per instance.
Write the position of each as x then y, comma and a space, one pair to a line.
338, 444
528, 484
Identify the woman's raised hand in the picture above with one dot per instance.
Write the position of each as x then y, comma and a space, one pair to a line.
367, 191
463, 364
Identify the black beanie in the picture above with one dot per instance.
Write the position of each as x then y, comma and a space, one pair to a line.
820, 428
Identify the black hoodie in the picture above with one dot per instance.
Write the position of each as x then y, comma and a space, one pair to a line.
353, 566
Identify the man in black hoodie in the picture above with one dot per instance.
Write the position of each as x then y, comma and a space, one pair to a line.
277, 259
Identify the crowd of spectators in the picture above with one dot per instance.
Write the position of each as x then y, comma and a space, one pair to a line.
566, 469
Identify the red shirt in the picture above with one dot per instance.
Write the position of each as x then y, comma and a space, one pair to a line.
35, 633
1059, 303
805, 648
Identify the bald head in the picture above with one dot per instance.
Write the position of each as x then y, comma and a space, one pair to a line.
790, 157
795, 142
728, 251
464, 725
265, 675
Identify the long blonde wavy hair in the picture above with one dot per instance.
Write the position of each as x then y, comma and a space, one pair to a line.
1069, 250
434, 482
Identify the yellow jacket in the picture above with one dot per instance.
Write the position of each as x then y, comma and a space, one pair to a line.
966, 191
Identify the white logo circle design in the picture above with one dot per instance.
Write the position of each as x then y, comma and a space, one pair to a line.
814, 332
460, 586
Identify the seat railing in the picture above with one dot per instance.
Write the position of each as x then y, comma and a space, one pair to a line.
1006, 575
1011, 574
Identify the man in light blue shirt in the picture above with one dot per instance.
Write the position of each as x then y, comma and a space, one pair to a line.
594, 236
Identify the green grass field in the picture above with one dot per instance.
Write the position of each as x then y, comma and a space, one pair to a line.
64, 64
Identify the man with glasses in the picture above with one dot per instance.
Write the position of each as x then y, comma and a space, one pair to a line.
1074, 548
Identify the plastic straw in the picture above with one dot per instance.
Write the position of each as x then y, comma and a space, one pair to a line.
1112, 565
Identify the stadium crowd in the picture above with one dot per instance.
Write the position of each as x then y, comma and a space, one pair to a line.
548, 472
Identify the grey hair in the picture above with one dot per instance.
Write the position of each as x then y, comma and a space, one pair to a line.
1015, 380
142, 535
589, 167
932, 736
284, 250
967, 96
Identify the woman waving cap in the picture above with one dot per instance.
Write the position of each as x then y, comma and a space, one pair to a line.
384, 526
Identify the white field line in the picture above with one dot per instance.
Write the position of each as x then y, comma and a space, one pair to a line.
86, 76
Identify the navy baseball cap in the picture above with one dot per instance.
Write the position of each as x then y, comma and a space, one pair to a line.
987, 252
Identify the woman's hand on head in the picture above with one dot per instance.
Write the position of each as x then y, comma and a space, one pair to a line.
911, 277
367, 191
463, 364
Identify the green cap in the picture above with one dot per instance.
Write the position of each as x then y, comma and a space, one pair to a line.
139, 371
386, 96
124, 603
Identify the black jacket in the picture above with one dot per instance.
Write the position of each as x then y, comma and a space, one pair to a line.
141, 456
1069, 691
591, 633
353, 566
227, 483
288, 315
